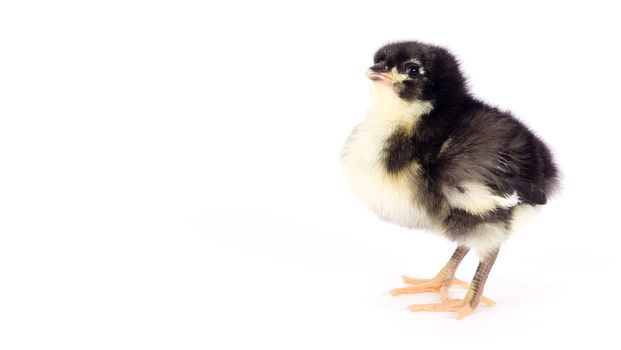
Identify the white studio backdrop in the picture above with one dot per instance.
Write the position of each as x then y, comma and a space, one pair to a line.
169, 176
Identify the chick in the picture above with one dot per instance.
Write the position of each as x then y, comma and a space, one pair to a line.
429, 155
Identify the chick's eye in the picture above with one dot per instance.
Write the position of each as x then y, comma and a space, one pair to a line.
412, 70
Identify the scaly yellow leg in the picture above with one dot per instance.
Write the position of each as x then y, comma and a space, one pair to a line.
439, 284
462, 307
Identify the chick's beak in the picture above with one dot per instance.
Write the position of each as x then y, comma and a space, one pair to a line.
382, 77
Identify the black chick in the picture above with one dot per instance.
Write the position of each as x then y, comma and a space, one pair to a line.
429, 155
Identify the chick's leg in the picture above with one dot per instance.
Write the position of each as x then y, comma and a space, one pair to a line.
441, 282
463, 307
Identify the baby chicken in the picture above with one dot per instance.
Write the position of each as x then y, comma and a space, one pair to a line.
429, 155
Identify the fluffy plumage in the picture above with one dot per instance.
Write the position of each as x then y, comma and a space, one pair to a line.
430, 155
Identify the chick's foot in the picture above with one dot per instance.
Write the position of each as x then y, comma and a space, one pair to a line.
461, 307
435, 285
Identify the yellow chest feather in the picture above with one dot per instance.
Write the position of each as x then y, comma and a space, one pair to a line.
392, 196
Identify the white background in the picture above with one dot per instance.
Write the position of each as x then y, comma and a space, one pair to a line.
169, 176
